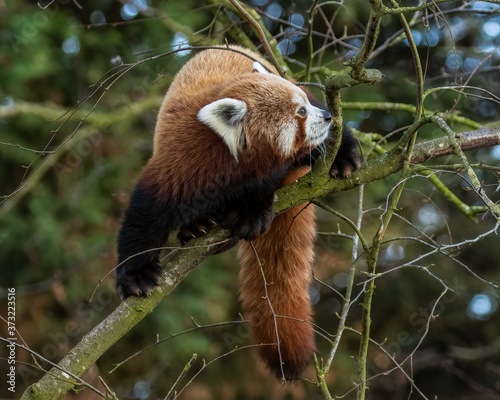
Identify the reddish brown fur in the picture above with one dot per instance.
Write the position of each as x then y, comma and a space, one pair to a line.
194, 176
300, 138
168, 170
286, 252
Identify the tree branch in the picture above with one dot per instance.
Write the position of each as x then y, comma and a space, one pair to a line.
258, 29
54, 384
467, 140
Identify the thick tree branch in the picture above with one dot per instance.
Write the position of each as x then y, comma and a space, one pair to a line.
313, 186
54, 384
467, 140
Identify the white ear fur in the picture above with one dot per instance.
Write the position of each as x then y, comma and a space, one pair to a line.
257, 67
224, 116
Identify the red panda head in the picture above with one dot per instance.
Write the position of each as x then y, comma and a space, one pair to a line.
259, 111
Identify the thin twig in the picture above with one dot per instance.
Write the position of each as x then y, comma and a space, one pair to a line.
260, 34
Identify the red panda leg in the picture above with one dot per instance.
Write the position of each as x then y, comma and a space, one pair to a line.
286, 254
145, 229
247, 210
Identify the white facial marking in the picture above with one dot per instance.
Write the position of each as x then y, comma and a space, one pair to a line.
298, 99
286, 136
257, 67
225, 117
316, 126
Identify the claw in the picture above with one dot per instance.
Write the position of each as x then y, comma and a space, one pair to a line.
203, 231
212, 221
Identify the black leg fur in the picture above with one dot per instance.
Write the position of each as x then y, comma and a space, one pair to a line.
347, 159
251, 213
246, 209
146, 226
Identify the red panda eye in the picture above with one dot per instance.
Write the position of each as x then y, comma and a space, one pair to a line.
302, 111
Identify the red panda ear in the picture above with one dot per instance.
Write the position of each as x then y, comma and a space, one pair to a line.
257, 67
225, 116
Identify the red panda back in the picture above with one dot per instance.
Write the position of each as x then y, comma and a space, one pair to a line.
209, 68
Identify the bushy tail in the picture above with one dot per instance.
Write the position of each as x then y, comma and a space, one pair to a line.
279, 312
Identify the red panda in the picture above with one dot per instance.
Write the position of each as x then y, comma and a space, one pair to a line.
229, 133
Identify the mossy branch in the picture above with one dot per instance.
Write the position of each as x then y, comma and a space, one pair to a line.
478, 187
316, 185
54, 384
355, 74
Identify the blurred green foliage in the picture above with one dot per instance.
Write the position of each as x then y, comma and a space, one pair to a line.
58, 234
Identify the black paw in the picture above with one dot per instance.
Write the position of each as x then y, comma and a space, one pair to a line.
347, 159
345, 163
248, 225
139, 281
192, 231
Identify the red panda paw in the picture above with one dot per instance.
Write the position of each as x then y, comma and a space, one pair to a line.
138, 282
348, 158
345, 163
248, 225
190, 232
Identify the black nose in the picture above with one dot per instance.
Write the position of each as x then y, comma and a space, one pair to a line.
327, 116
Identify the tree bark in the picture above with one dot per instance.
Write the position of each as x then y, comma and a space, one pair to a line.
54, 384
